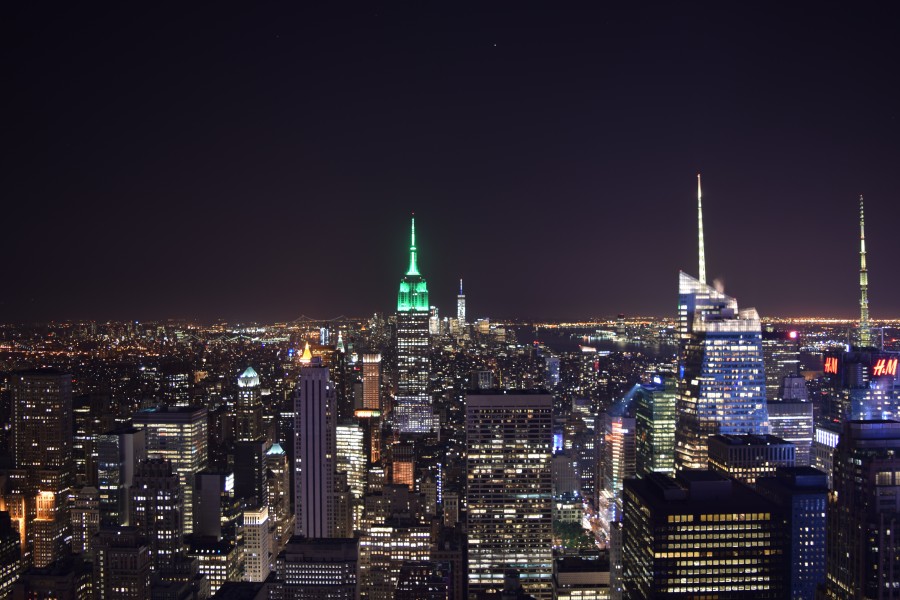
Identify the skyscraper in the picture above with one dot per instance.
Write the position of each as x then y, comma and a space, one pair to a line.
863, 550
179, 434
413, 410
315, 447
157, 510
509, 493
654, 419
701, 535
721, 375
248, 420
461, 308
865, 332
42, 451
118, 454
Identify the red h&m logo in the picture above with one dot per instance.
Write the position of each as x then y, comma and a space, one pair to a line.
885, 366
831, 364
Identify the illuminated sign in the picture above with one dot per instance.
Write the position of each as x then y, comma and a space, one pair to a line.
831, 364
885, 366
367, 413
792, 335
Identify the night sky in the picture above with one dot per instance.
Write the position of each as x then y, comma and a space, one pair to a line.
200, 161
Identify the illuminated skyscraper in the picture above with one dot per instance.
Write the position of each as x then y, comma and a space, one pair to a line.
781, 356
42, 451
314, 454
248, 420
654, 417
461, 308
509, 493
413, 411
178, 434
371, 381
721, 378
865, 331
257, 544
701, 535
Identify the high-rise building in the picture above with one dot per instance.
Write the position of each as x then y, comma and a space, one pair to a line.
654, 420
315, 448
42, 451
249, 409
721, 379
371, 381
278, 471
749, 457
257, 544
250, 472
85, 519
351, 456
801, 492
865, 330
42, 420
791, 418
10, 555
157, 510
413, 411
461, 308
218, 510
701, 535
617, 463
863, 548
309, 569
118, 454
509, 489
178, 434
122, 564
781, 357
721, 373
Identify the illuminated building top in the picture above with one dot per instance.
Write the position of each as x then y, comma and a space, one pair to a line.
413, 295
248, 378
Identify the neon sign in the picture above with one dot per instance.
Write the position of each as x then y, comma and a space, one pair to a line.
884, 366
831, 364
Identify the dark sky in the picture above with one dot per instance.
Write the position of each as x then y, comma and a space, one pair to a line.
261, 163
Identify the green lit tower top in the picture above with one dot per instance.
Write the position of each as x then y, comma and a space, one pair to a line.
413, 293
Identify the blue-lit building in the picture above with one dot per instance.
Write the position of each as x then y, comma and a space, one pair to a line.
721, 378
862, 384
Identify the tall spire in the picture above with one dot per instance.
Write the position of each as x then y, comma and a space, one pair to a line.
865, 333
460, 287
702, 257
413, 266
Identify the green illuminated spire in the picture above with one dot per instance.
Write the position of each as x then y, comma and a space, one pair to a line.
413, 267
413, 295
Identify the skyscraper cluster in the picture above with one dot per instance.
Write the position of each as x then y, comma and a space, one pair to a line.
408, 456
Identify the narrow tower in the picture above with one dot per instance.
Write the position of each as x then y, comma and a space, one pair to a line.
865, 333
461, 307
702, 272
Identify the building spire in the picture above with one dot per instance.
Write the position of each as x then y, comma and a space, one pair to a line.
702, 257
865, 332
413, 266
460, 286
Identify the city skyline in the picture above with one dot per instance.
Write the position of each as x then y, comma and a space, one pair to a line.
536, 148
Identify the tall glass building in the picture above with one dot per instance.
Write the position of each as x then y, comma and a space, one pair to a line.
721, 378
654, 416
